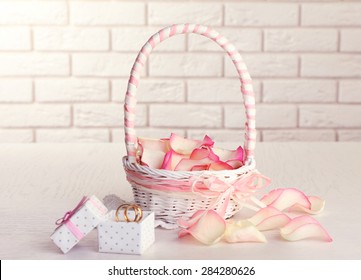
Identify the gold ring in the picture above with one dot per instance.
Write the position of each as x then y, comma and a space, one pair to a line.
117, 212
138, 212
135, 209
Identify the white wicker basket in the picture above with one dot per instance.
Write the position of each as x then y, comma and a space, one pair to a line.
175, 198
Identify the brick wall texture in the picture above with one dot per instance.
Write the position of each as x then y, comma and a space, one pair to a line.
64, 67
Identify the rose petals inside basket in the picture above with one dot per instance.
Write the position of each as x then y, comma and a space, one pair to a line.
181, 154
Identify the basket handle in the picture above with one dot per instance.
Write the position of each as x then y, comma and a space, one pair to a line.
245, 79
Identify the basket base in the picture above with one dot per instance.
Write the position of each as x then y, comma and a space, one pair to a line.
169, 208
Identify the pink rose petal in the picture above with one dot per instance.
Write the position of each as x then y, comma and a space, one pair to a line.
220, 165
184, 146
171, 160
188, 164
269, 218
225, 155
153, 144
201, 153
182, 233
243, 231
235, 163
317, 206
207, 141
191, 221
200, 167
208, 229
304, 227
152, 158
285, 198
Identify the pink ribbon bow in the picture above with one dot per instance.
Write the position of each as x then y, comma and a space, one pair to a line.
240, 189
65, 220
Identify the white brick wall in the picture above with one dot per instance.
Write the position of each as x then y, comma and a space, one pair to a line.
102, 64
33, 64
266, 65
185, 65
14, 38
71, 90
64, 67
106, 13
170, 13
331, 14
71, 39
33, 12
261, 14
185, 116
294, 40
299, 91
15, 90
34, 116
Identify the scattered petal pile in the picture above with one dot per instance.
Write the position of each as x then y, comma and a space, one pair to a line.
180, 154
208, 227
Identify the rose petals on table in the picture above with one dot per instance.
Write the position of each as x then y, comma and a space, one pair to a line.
317, 206
304, 227
207, 227
243, 231
191, 221
269, 218
285, 198
294, 200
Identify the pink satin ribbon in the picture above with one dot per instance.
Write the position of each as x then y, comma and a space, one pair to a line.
239, 189
65, 220
208, 186
74, 230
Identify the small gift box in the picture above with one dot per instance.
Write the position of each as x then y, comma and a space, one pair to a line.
116, 236
78, 223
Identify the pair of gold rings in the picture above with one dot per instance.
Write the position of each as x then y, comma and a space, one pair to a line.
138, 213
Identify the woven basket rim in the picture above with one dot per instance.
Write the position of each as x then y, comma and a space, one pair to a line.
248, 166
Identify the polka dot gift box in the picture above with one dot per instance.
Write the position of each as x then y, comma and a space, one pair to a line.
126, 237
78, 222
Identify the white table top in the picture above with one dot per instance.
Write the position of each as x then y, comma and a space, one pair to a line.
39, 182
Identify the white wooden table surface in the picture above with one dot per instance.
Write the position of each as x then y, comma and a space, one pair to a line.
40, 182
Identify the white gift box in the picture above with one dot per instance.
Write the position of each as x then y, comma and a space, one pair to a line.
126, 237
78, 223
